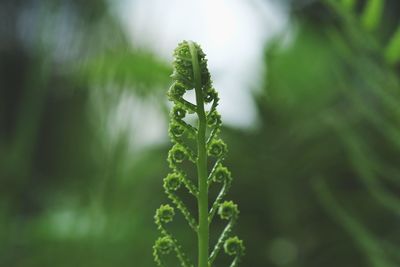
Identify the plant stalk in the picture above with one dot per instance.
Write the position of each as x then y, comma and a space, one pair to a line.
202, 199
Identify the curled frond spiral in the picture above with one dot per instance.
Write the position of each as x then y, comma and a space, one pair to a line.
234, 247
228, 210
221, 175
190, 72
167, 243
164, 214
217, 148
164, 245
172, 182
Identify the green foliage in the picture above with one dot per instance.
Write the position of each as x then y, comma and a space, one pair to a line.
124, 68
322, 165
190, 72
349, 4
372, 14
392, 51
364, 29
358, 121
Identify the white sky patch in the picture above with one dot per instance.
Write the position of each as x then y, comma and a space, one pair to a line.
233, 34
140, 121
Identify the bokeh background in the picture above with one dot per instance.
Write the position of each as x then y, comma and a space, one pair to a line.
310, 103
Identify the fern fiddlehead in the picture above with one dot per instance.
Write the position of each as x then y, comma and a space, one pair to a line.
190, 72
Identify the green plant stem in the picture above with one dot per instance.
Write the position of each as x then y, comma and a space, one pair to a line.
203, 231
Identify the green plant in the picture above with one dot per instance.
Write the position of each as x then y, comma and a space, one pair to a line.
361, 28
201, 146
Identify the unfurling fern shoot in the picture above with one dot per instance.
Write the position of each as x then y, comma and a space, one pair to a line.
190, 72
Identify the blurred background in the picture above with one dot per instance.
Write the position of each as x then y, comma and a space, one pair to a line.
310, 94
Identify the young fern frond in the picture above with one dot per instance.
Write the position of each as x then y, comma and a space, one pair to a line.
190, 72
167, 243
